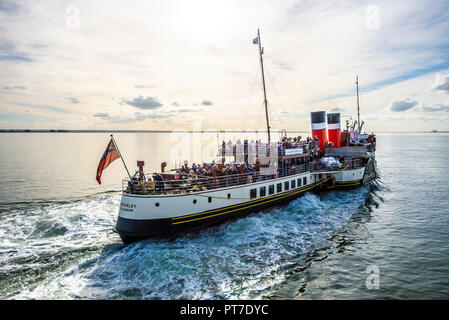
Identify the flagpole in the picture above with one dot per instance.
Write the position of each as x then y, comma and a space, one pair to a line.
263, 82
116, 146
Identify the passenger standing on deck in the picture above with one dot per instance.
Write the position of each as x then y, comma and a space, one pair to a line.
185, 169
159, 186
223, 148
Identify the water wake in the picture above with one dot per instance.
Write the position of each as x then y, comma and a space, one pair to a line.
69, 251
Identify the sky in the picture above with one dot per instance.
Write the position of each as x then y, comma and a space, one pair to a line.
168, 65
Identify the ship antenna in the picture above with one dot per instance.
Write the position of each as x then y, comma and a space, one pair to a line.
263, 82
358, 106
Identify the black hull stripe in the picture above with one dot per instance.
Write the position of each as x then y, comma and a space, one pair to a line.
352, 183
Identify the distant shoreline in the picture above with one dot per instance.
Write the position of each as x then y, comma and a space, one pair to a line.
168, 131
122, 131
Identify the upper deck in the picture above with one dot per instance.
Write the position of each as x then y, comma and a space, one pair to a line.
177, 183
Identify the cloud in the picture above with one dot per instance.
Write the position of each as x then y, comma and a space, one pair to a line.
8, 52
72, 100
337, 109
402, 105
144, 86
146, 103
435, 107
24, 118
102, 115
14, 87
43, 107
282, 65
325, 43
175, 104
206, 103
137, 116
8, 7
444, 86
188, 110
14, 57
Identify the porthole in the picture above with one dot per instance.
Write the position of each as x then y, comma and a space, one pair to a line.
229, 196
157, 204
194, 201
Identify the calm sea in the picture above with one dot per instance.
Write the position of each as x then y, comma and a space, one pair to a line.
389, 240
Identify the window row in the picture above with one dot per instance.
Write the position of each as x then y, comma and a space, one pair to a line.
287, 185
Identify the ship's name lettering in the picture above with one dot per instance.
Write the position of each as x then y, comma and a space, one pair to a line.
127, 207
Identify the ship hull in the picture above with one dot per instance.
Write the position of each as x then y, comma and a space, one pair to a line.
139, 218
131, 230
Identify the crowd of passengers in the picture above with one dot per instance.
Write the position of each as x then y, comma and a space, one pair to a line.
285, 143
228, 173
296, 142
198, 175
212, 175
231, 173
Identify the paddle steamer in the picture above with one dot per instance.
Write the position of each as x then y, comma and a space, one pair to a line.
268, 175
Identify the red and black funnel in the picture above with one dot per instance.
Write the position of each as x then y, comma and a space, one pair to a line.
319, 128
334, 129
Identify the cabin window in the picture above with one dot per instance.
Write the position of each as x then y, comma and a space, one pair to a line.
271, 189
293, 184
194, 201
299, 182
229, 196
209, 199
253, 193
286, 185
157, 204
279, 187
263, 191
304, 180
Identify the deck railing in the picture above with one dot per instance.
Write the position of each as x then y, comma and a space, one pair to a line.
179, 183
245, 150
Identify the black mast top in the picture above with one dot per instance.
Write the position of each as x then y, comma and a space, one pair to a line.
263, 82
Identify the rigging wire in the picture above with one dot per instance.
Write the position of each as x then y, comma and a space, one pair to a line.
280, 101
250, 98
278, 118
262, 106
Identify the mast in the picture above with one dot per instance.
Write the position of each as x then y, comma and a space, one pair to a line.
263, 82
358, 106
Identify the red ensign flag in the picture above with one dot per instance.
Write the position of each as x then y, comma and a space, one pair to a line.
109, 155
